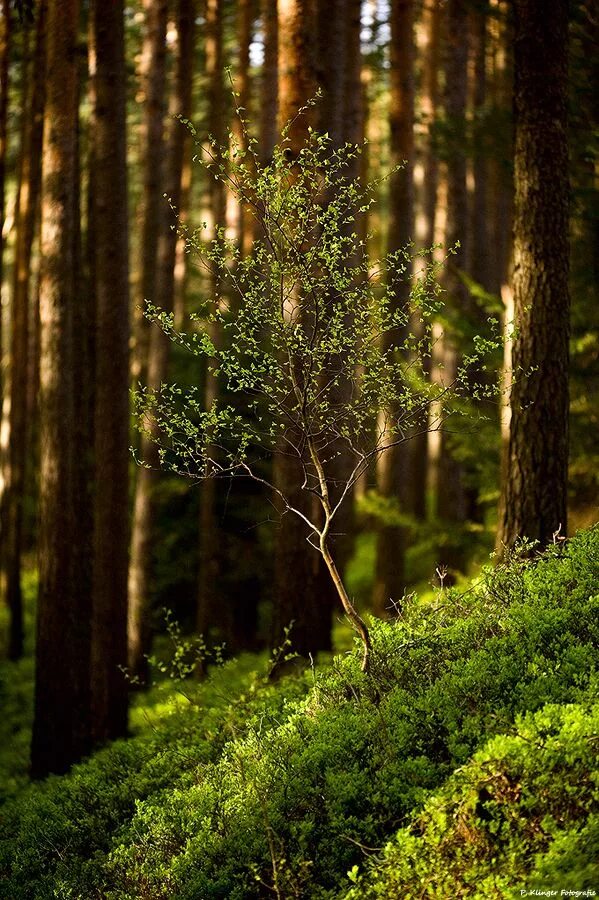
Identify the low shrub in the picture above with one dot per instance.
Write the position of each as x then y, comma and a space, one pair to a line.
522, 815
284, 791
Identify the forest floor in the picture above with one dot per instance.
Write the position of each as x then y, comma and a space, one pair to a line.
464, 765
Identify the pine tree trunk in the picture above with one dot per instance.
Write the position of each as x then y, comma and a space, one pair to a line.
269, 93
110, 253
151, 138
245, 20
211, 614
61, 729
5, 35
393, 469
534, 492
451, 495
144, 513
296, 564
428, 188
26, 217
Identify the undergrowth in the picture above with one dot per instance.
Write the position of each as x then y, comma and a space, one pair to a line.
463, 762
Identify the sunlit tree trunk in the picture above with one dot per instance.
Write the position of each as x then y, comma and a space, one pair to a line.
428, 182
451, 496
210, 613
393, 468
4, 57
158, 348
534, 491
296, 565
110, 253
479, 262
151, 138
21, 315
61, 729
245, 21
269, 80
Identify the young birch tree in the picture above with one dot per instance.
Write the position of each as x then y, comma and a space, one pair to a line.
311, 314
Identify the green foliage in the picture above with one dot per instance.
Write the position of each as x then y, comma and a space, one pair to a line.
318, 350
288, 788
523, 814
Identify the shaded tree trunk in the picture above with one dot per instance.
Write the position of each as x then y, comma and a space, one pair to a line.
26, 218
61, 728
393, 469
144, 513
110, 254
534, 490
5, 35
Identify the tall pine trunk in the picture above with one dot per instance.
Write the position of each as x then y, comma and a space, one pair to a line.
295, 597
451, 495
212, 616
21, 316
534, 490
62, 725
158, 344
393, 467
151, 138
111, 428
153, 83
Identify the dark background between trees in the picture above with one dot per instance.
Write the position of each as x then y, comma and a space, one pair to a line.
491, 106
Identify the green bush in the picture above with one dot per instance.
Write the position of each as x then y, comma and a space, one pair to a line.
289, 788
522, 815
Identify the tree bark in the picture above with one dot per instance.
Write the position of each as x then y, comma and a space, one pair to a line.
393, 469
153, 79
245, 21
210, 615
20, 426
534, 491
451, 495
111, 428
5, 35
61, 729
269, 92
144, 513
296, 564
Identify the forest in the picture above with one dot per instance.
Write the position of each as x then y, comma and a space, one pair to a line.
299, 457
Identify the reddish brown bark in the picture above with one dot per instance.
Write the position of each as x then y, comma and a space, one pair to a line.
534, 491
111, 271
19, 422
158, 349
61, 729
393, 469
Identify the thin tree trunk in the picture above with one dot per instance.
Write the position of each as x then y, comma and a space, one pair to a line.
534, 492
5, 36
428, 188
158, 352
61, 728
210, 615
479, 262
245, 21
451, 495
153, 79
111, 427
393, 469
296, 565
26, 218
269, 92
